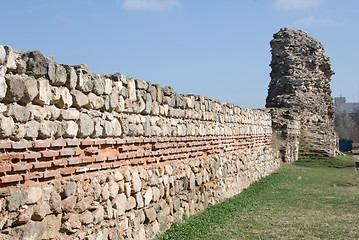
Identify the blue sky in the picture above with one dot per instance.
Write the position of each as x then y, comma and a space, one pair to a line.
218, 49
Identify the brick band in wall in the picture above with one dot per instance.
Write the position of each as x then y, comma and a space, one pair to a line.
21, 161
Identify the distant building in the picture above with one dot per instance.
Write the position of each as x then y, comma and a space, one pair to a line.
341, 106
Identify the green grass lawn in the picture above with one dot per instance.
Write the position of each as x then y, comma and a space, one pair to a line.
310, 199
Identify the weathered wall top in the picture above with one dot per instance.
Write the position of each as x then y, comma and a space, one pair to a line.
41, 99
300, 70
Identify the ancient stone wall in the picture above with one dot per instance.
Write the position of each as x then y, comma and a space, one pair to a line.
300, 91
95, 156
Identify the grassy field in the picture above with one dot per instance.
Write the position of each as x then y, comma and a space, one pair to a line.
310, 199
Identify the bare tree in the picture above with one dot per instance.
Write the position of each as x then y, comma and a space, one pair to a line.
347, 126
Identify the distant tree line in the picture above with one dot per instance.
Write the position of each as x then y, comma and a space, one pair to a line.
347, 126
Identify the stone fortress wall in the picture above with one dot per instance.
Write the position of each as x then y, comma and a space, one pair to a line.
95, 156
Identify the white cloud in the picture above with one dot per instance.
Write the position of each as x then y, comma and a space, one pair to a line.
297, 4
311, 21
150, 5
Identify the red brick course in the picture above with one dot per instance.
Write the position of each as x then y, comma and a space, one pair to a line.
46, 159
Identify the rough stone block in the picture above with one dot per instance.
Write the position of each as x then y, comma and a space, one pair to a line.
131, 203
79, 98
98, 84
139, 200
95, 102
71, 77
151, 214
136, 181
108, 86
65, 100
52, 226
20, 66
3, 85
140, 84
69, 203
98, 214
54, 112
15, 86
40, 211
107, 129
71, 129
120, 203
48, 129
31, 90
69, 189
127, 189
98, 127
36, 63
84, 82
55, 202
10, 58
114, 100
71, 224
32, 129
132, 89
60, 75
117, 129
148, 104
16, 200
86, 217
19, 113
55, 95
18, 132
2, 55
148, 196
156, 194
70, 114
113, 189
45, 95
33, 230
25, 216
6, 126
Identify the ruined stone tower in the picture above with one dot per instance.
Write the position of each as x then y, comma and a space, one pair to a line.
299, 95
